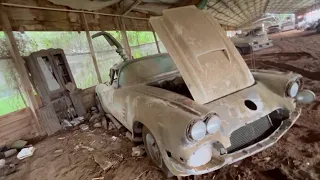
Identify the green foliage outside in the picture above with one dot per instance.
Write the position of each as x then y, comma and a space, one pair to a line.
11, 103
137, 38
76, 48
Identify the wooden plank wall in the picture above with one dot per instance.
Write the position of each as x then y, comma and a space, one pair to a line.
21, 124
17, 125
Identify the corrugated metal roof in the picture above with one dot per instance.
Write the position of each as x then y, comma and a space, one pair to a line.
238, 12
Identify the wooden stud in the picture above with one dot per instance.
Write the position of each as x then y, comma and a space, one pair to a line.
21, 69
125, 38
156, 40
120, 8
94, 58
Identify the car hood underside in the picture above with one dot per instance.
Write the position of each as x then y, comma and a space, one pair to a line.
208, 61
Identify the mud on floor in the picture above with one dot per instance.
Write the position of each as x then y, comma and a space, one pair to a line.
295, 156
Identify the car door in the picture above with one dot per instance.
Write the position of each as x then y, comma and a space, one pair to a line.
111, 93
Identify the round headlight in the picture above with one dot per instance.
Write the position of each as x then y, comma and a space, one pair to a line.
213, 124
293, 89
197, 130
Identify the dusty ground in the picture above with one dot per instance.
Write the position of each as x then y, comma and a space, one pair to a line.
295, 156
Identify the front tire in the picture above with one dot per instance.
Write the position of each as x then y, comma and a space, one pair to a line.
153, 151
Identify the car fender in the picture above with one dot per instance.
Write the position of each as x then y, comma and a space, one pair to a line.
166, 121
282, 79
105, 95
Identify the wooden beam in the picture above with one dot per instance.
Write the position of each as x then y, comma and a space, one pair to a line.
120, 8
69, 10
125, 38
265, 6
93, 55
156, 40
133, 5
20, 68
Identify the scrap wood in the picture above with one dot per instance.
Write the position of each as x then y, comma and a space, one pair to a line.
106, 161
99, 178
153, 167
138, 177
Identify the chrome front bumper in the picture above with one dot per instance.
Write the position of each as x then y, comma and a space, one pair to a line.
180, 169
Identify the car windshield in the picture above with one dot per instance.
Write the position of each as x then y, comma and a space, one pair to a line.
145, 68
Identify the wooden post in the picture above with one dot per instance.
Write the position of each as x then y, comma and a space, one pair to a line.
125, 38
20, 67
156, 40
94, 58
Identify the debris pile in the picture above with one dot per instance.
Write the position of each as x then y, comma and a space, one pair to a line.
106, 161
138, 151
66, 124
94, 118
8, 150
97, 119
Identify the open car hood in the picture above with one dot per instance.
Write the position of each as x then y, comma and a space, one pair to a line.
209, 63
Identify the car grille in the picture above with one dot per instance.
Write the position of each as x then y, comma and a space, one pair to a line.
250, 134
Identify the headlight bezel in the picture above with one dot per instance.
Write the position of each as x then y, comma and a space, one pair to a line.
293, 84
192, 125
217, 123
205, 127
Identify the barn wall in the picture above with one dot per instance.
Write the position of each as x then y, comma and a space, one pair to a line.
21, 125
17, 125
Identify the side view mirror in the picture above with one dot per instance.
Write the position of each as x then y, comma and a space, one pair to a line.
305, 96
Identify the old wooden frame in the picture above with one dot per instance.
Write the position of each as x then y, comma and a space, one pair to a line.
125, 38
21, 69
70, 10
132, 6
156, 40
93, 55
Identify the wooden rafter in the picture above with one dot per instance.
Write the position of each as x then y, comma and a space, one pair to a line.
132, 6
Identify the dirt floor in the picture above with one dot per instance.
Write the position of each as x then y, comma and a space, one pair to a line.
73, 155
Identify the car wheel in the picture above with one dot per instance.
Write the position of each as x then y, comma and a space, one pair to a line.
240, 50
153, 151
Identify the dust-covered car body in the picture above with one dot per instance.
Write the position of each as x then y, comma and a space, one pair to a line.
256, 38
203, 80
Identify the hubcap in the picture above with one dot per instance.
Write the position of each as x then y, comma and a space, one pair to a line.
153, 150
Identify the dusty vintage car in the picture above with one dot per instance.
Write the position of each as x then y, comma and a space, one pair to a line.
199, 107
256, 39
